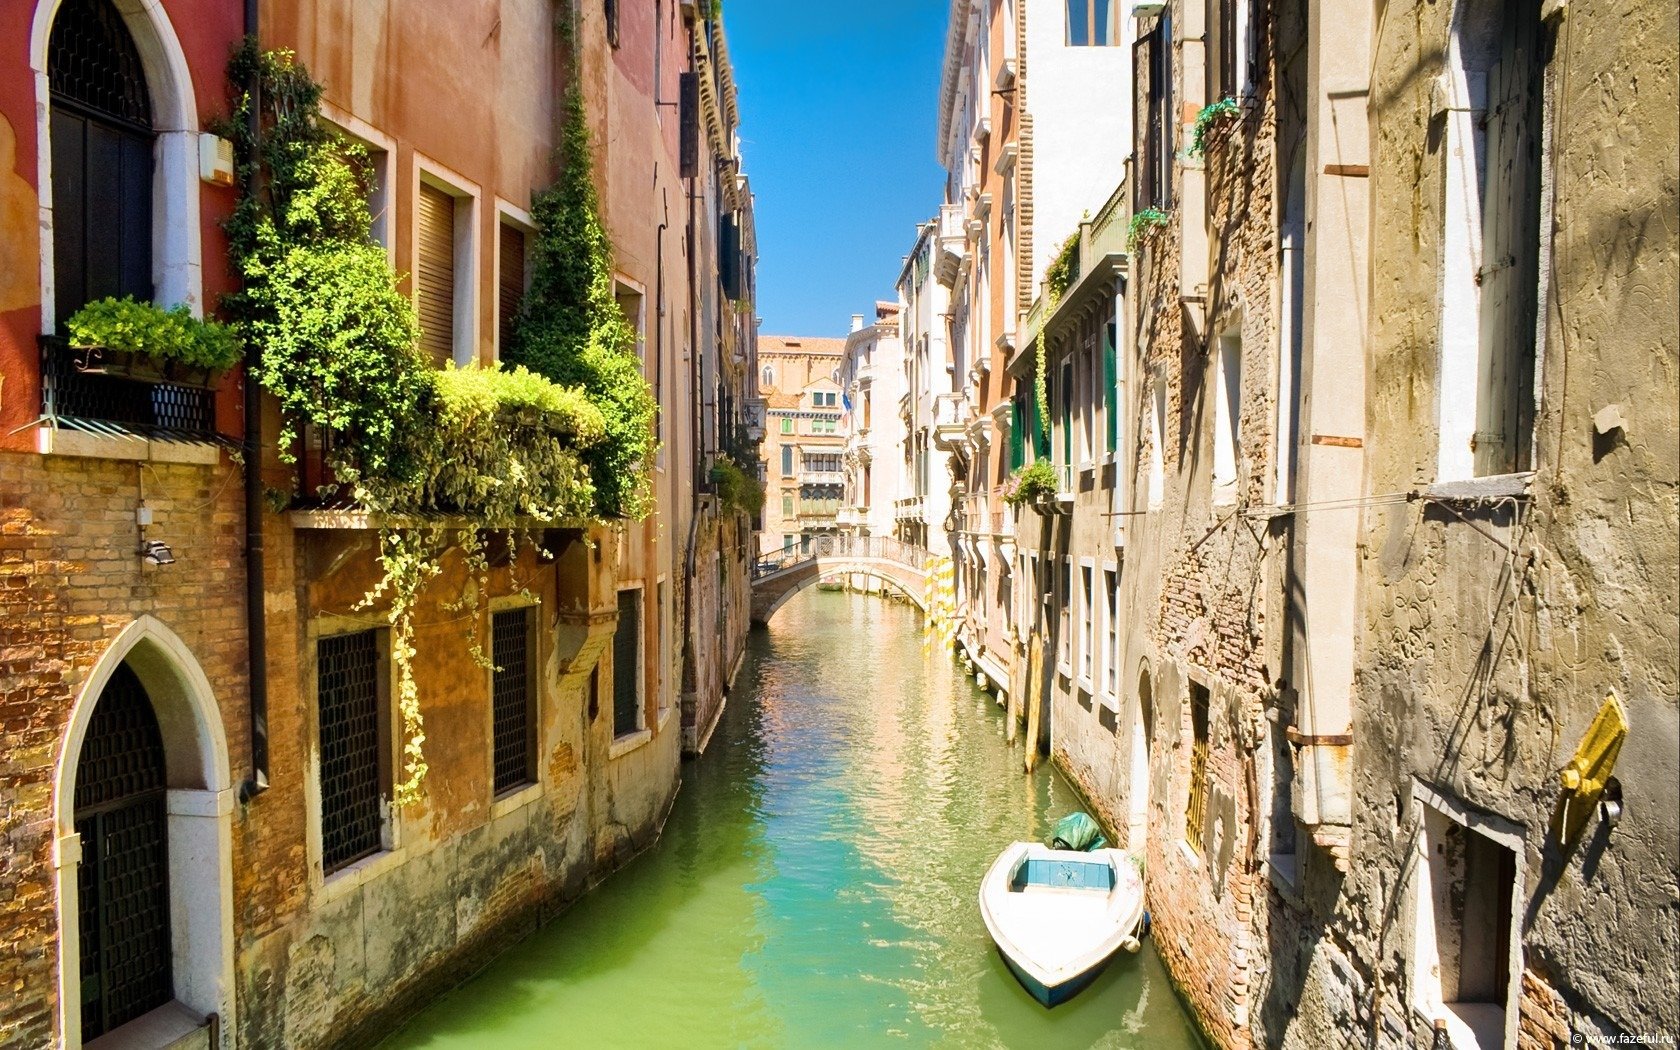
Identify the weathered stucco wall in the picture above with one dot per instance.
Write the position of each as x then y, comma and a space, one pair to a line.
1493, 630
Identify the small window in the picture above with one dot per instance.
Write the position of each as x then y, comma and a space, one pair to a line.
1088, 612
1195, 812
787, 461
1227, 426
1465, 885
1158, 445
355, 769
1093, 23
609, 10
510, 282
1111, 624
630, 302
768, 377
787, 424
627, 663
513, 706
787, 506
1064, 598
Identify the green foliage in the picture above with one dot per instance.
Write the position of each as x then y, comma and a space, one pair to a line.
1142, 223
1035, 481
572, 331
505, 449
1208, 120
172, 335
1058, 278
737, 486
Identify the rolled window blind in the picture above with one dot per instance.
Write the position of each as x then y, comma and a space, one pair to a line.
435, 273
512, 289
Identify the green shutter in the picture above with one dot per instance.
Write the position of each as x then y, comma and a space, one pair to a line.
1017, 438
1111, 389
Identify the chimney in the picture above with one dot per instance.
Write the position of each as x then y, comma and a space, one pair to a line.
857, 322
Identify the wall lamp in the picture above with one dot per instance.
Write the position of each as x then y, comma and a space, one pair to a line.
156, 552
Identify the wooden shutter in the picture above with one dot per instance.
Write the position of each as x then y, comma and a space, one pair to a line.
1111, 386
434, 274
510, 290
1510, 273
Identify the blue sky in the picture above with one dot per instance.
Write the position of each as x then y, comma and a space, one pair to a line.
838, 106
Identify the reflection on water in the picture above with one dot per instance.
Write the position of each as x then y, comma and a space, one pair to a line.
816, 883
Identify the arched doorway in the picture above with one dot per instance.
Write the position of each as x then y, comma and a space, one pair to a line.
123, 883
143, 807
1137, 791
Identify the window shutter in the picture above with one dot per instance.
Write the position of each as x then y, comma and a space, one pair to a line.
1510, 273
511, 289
435, 273
688, 116
1111, 389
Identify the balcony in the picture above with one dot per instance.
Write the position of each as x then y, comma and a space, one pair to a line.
822, 477
951, 416
909, 509
952, 246
81, 390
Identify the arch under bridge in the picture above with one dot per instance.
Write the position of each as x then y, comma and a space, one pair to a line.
782, 574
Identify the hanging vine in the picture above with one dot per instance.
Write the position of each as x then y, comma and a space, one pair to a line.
571, 329
504, 449
1058, 278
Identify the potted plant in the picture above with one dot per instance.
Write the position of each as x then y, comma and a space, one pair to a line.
124, 337
1211, 118
1033, 484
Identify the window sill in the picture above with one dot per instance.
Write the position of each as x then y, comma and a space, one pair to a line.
1191, 857
348, 879
52, 441
169, 1025
665, 717
514, 799
627, 743
1284, 872
1494, 486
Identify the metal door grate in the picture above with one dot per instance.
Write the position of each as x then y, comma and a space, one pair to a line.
347, 692
154, 408
92, 61
512, 711
123, 881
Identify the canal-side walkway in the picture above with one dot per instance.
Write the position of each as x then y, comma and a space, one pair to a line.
815, 885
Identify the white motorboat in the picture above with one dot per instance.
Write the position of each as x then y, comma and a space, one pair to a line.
1057, 916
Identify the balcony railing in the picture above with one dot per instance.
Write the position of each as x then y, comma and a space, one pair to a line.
822, 477
908, 508
952, 247
951, 415
80, 390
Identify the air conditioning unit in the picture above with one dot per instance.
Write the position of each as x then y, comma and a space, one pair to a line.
1142, 9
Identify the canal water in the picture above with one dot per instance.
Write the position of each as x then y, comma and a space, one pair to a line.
815, 885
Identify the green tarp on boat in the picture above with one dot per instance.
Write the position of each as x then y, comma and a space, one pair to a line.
1078, 831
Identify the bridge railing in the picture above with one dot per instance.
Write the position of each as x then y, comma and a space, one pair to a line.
885, 548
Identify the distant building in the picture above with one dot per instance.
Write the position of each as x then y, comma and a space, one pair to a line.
804, 439
873, 382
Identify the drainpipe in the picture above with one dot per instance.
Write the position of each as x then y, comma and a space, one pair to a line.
256, 620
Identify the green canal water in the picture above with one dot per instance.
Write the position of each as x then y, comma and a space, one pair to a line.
815, 885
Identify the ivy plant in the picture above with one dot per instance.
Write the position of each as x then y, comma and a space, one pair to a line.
1058, 278
166, 336
737, 486
571, 330
1208, 120
1141, 224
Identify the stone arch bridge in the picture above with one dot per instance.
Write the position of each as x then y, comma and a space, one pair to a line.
782, 574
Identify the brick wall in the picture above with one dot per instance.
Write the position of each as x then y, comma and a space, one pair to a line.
70, 581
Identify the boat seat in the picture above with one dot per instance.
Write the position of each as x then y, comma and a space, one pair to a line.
1062, 874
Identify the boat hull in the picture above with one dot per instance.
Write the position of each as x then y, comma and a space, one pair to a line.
1061, 993
1058, 916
